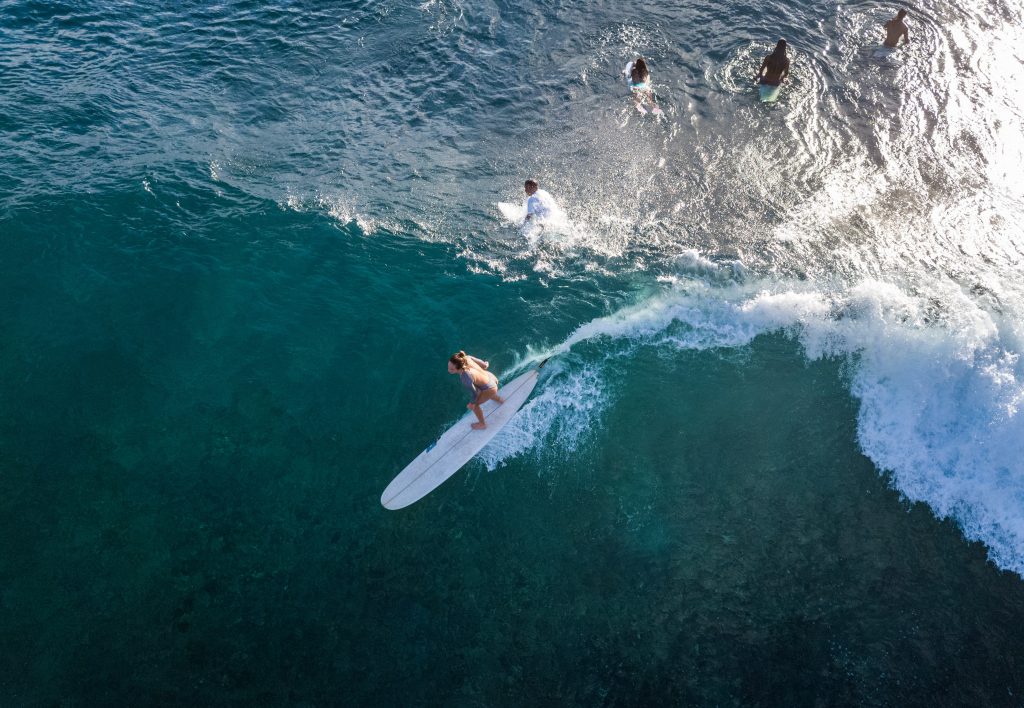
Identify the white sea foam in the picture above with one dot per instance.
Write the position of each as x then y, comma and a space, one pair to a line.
337, 207
562, 412
690, 260
941, 387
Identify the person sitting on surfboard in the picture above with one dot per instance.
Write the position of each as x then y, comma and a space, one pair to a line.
775, 67
482, 384
540, 205
894, 29
639, 78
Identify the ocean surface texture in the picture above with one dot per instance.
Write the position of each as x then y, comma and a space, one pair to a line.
777, 458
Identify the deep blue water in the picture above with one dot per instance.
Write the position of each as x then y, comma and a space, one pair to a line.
775, 458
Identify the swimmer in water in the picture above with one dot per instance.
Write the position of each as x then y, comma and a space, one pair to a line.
482, 384
775, 67
640, 85
894, 29
540, 205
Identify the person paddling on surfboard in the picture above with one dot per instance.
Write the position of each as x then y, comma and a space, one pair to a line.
894, 29
540, 206
482, 384
639, 78
775, 67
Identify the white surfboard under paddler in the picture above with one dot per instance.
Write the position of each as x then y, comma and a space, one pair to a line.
458, 445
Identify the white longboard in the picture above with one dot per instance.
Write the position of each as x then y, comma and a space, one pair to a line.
513, 213
457, 446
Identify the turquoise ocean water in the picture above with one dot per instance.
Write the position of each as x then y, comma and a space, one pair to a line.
776, 458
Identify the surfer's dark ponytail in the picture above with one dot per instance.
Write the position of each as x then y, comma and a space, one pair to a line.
459, 360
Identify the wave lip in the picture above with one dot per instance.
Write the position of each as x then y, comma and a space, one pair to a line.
940, 383
944, 418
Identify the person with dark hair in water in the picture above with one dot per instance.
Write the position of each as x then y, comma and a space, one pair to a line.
775, 67
540, 206
774, 70
481, 384
894, 29
639, 77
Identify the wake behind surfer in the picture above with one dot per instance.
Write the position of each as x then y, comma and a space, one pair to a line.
540, 206
894, 29
775, 67
482, 384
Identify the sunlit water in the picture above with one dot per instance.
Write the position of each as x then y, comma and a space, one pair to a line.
775, 460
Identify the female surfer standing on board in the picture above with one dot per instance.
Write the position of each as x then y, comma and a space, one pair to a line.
482, 384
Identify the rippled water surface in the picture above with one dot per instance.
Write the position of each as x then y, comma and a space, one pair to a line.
775, 458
